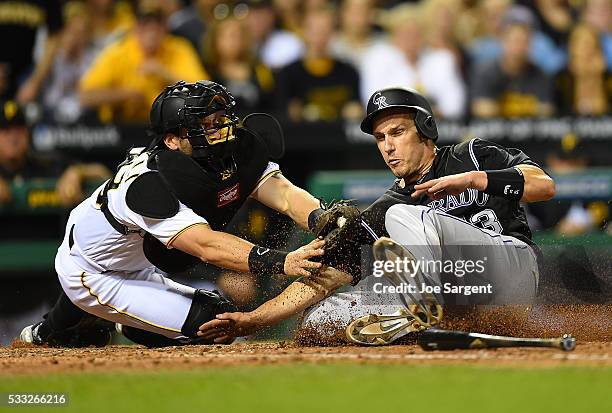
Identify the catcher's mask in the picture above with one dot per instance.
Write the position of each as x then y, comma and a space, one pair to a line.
203, 113
404, 98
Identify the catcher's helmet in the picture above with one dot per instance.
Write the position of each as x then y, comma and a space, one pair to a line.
409, 99
184, 105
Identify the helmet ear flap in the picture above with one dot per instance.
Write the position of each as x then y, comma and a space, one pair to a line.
426, 125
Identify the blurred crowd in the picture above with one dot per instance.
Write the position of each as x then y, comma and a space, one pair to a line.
312, 60
72, 61
103, 61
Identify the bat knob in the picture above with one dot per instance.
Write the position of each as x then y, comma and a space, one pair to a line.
568, 343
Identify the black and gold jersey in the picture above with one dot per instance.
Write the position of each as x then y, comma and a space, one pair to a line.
495, 213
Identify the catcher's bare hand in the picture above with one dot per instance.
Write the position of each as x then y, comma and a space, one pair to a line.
297, 262
449, 185
225, 327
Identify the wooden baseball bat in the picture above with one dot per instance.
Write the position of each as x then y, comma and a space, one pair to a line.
438, 339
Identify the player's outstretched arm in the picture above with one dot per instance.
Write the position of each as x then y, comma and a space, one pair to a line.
278, 193
529, 184
298, 296
228, 251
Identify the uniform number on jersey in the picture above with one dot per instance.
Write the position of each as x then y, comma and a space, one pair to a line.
125, 167
488, 220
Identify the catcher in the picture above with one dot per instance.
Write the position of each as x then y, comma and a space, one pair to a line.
163, 211
448, 204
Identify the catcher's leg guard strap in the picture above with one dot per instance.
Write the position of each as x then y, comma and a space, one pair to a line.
205, 306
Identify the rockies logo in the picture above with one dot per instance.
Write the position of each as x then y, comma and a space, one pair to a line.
380, 101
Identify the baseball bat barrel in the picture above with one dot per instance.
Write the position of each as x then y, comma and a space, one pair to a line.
438, 339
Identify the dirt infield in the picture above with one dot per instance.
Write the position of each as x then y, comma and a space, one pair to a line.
25, 359
590, 324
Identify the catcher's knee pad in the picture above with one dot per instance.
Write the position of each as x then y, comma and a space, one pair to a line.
204, 307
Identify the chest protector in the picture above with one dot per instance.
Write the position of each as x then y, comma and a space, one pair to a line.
215, 199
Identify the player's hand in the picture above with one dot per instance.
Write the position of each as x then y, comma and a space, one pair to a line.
297, 262
450, 185
225, 327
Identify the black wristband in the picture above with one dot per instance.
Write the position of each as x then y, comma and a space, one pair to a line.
263, 260
313, 217
508, 183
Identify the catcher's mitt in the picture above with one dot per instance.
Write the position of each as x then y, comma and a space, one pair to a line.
337, 222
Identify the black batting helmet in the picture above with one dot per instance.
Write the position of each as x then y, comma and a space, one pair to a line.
184, 105
397, 97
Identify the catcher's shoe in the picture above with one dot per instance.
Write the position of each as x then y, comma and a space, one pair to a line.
29, 334
92, 335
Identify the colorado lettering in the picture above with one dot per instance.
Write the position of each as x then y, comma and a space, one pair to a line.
466, 198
